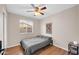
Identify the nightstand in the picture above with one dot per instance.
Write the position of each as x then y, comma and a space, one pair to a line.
73, 49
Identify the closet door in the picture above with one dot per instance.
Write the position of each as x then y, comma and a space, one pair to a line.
1, 28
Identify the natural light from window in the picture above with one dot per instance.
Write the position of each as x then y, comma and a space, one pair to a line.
26, 26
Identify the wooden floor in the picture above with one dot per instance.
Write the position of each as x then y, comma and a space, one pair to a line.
48, 50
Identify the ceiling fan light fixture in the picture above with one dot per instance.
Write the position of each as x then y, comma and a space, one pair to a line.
37, 14
38, 10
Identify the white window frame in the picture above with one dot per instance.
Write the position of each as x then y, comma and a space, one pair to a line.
27, 23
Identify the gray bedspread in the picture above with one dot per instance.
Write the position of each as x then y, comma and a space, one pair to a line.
31, 45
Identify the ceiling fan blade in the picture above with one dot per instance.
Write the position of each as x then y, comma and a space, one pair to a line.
33, 5
42, 13
43, 8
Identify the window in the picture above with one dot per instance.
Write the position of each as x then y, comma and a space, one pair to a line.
26, 26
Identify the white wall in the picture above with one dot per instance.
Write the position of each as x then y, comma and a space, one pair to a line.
65, 27
14, 35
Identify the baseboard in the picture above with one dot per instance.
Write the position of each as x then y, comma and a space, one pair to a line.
12, 46
61, 47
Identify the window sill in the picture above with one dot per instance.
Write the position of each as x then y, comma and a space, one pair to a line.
26, 33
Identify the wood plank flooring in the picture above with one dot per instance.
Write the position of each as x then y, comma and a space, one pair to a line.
48, 50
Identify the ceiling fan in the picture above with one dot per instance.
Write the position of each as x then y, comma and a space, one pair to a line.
38, 10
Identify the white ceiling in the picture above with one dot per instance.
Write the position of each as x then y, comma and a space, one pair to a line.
21, 9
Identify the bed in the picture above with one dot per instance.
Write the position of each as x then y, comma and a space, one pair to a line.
35, 43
